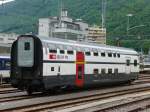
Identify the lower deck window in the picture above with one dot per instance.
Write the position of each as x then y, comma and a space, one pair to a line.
95, 71
109, 71
116, 71
103, 71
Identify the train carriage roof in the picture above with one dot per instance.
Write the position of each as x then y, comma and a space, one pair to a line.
86, 46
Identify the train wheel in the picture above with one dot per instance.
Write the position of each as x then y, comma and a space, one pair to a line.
29, 91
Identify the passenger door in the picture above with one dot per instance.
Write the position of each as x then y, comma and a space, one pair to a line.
80, 69
128, 65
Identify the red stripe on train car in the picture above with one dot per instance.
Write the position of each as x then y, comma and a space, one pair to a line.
79, 69
52, 56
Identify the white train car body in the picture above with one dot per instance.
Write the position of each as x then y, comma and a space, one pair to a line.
49, 62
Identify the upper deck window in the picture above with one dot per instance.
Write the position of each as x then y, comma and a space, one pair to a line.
53, 51
95, 53
70, 52
114, 54
109, 54
118, 55
109, 71
87, 53
62, 52
103, 54
103, 71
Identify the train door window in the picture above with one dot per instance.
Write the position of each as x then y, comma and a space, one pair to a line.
114, 54
52, 69
59, 69
79, 72
109, 54
52, 51
70, 52
118, 55
128, 62
27, 46
87, 53
103, 71
95, 53
95, 71
103, 54
109, 71
135, 62
116, 71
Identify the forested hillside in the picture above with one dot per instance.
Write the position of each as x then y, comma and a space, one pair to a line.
22, 16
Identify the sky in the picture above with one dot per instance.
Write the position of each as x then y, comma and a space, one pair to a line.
5, 1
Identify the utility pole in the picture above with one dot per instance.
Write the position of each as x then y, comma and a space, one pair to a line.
60, 16
104, 3
128, 23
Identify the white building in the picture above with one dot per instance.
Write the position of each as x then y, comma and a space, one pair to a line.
6, 41
7, 38
62, 27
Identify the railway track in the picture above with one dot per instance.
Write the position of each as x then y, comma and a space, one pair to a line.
68, 102
124, 103
143, 78
9, 90
78, 100
5, 86
137, 105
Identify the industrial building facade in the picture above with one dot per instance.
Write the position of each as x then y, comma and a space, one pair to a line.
64, 27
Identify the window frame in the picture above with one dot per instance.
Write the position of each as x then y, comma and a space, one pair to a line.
52, 69
127, 62
135, 62
95, 71
88, 53
60, 51
109, 54
95, 54
103, 71
110, 71
103, 54
116, 71
118, 55
52, 50
70, 52
114, 55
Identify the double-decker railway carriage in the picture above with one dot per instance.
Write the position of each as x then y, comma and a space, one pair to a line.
40, 63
